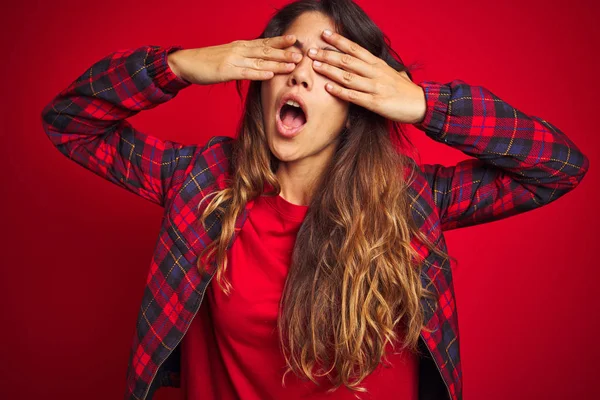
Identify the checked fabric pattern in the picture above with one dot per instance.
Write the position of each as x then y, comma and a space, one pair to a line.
520, 163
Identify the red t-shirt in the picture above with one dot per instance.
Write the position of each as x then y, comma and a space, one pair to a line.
231, 349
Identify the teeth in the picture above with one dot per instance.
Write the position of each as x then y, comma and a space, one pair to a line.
292, 103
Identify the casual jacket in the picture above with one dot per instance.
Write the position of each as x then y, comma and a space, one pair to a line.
520, 163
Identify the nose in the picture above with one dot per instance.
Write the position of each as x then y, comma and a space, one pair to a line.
302, 73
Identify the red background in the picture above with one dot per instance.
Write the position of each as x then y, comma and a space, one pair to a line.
76, 248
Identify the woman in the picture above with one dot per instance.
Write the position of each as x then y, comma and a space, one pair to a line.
325, 239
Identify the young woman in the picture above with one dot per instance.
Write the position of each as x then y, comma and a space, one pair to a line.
325, 237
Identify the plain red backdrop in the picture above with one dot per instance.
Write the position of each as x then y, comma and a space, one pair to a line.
76, 249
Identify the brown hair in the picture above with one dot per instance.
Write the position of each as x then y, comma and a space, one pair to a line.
354, 276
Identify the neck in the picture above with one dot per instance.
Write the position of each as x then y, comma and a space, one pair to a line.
297, 178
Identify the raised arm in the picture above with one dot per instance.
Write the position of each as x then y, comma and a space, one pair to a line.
87, 121
521, 162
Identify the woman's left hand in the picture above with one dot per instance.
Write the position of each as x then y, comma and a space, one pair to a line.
368, 81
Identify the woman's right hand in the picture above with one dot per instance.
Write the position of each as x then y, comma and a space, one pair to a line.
257, 59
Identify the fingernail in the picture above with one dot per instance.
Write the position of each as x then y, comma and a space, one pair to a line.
317, 63
289, 37
327, 32
297, 57
312, 52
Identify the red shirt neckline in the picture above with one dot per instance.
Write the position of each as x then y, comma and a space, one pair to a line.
294, 212
286, 209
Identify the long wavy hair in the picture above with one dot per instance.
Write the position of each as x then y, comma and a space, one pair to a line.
354, 283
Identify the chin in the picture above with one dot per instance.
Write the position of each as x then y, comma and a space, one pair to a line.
285, 152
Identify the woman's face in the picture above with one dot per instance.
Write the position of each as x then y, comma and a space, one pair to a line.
325, 115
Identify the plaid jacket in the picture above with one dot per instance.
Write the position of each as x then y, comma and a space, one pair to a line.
520, 163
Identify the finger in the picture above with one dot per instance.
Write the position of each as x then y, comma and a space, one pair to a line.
362, 99
349, 47
345, 78
266, 65
274, 54
278, 42
344, 61
253, 74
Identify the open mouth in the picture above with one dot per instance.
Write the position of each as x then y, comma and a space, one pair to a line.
291, 118
292, 115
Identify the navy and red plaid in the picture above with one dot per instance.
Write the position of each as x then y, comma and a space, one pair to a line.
520, 163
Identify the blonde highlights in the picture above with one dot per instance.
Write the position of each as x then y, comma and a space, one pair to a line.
355, 281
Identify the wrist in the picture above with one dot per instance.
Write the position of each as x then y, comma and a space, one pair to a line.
420, 106
171, 61
438, 97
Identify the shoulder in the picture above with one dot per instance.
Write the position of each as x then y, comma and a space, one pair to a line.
216, 154
222, 142
213, 164
208, 168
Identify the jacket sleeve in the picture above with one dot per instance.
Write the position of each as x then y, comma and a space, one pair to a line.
87, 121
521, 162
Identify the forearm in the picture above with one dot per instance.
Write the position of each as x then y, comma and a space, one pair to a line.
87, 122
475, 121
112, 89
